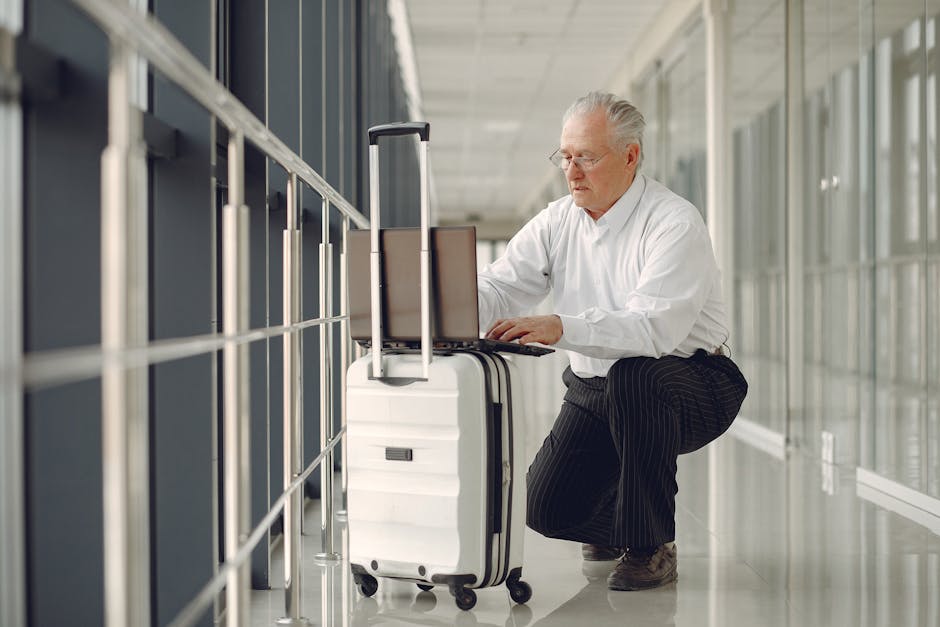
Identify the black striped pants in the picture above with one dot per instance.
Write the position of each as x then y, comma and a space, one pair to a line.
606, 474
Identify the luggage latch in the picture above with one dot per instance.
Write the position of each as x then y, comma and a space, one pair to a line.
398, 454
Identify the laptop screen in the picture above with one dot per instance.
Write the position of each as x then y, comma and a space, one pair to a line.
454, 314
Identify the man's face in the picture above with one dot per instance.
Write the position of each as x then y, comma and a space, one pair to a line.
599, 188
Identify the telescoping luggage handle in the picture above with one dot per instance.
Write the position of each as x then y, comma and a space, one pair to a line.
423, 130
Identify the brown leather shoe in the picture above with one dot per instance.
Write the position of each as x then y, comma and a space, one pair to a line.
600, 553
638, 570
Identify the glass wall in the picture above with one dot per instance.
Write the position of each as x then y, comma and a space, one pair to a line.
901, 433
684, 146
870, 236
758, 184
869, 259
672, 100
836, 140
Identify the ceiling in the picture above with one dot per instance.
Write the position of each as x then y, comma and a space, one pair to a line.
495, 77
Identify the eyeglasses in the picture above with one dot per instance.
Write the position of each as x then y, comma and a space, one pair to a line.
564, 162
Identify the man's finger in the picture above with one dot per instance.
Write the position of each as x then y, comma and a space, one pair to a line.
498, 329
514, 332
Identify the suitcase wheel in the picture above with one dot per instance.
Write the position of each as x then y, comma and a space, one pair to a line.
465, 597
425, 587
368, 585
519, 591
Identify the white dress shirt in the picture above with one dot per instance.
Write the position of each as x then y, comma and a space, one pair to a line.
641, 280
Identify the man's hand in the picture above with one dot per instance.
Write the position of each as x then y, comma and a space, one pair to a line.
541, 329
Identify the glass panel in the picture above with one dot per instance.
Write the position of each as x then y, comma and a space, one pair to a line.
835, 188
932, 288
903, 427
817, 170
685, 142
759, 201
647, 100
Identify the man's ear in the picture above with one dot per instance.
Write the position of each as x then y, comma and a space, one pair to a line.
633, 156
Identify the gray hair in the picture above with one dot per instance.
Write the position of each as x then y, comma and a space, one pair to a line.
625, 121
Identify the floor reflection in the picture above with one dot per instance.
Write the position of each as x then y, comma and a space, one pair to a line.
761, 541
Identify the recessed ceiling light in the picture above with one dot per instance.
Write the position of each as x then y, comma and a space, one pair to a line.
501, 126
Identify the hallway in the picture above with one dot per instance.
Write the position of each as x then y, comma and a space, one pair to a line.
760, 543
178, 185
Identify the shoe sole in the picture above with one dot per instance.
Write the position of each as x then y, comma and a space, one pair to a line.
646, 585
594, 558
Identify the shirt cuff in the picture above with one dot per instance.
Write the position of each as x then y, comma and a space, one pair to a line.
575, 332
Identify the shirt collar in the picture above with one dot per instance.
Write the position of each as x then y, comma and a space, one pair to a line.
618, 214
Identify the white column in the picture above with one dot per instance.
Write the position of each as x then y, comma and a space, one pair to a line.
719, 209
719, 203
12, 560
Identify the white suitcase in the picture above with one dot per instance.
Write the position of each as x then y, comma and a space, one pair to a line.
436, 491
435, 460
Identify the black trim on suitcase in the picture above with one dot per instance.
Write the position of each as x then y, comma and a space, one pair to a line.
507, 402
495, 435
492, 457
495, 465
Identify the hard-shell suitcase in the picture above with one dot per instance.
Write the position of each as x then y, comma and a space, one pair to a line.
435, 462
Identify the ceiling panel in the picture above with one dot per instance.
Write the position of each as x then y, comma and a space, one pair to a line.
495, 78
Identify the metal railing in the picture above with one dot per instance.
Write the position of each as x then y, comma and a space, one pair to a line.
125, 352
12, 455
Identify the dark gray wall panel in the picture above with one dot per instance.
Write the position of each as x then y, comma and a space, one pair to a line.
384, 101
64, 516
311, 91
182, 287
284, 71
332, 93
310, 238
259, 382
312, 152
248, 82
64, 140
63, 143
284, 120
275, 353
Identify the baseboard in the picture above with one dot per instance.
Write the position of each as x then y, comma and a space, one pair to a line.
900, 499
760, 437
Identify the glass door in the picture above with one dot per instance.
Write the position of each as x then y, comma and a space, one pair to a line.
901, 433
832, 197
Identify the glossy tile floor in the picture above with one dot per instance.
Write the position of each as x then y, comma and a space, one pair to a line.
760, 543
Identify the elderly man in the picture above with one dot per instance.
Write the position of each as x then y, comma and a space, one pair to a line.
638, 308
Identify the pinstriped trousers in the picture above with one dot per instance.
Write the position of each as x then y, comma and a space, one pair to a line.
606, 473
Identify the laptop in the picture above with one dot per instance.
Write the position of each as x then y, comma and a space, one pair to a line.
454, 312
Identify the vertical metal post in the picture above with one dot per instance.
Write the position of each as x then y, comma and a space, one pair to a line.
235, 446
12, 535
293, 446
329, 573
326, 390
375, 261
125, 429
214, 18
344, 359
425, 259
